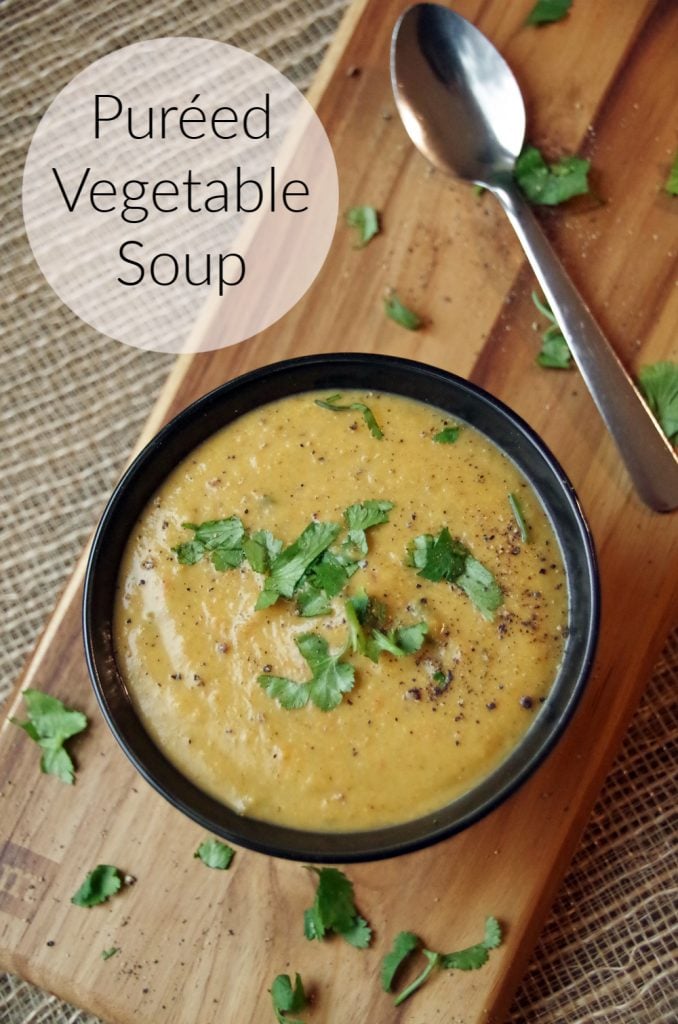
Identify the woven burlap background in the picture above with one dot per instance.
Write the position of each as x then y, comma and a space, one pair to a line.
72, 404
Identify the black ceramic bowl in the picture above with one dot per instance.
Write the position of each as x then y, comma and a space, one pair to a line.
336, 372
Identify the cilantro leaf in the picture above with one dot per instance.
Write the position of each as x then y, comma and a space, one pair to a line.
99, 885
443, 558
311, 602
550, 184
287, 998
407, 318
261, 549
366, 220
659, 384
555, 354
331, 403
671, 185
331, 573
473, 957
448, 435
361, 517
519, 517
404, 944
398, 642
222, 539
50, 723
334, 910
330, 677
545, 11
106, 954
468, 959
215, 854
290, 565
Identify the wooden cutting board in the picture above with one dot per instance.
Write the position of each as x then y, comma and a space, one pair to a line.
202, 946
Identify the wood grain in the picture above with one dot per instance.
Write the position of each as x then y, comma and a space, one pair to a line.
204, 946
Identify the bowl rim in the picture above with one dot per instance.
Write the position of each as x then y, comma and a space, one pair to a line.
279, 840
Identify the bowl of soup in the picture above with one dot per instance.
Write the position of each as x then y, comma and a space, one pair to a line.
341, 607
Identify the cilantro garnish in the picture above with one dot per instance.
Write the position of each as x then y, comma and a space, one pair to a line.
448, 435
261, 549
555, 354
366, 220
443, 558
671, 185
401, 314
290, 565
659, 384
545, 11
364, 616
330, 678
106, 954
221, 539
50, 723
361, 517
287, 998
99, 885
406, 943
334, 910
331, 403
549, 184
215, 854
519, 517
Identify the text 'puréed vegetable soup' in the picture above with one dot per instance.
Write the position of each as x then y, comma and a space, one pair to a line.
341, 612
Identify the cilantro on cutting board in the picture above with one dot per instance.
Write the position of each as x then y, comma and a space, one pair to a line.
366, 220
330, 678
443, 558
99, 885
550, 184
287, 998
215, 854
334, 910
407, 943
332, 403
400, 313
671, 184
50, 723
659, 385
555, 354
546, 11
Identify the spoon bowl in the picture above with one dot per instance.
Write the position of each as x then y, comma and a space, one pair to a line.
463, 109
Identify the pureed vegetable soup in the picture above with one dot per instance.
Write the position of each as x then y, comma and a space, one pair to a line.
335, 630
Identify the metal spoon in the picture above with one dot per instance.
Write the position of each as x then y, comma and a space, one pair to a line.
463, 109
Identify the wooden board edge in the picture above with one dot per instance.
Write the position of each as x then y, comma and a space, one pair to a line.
178, 372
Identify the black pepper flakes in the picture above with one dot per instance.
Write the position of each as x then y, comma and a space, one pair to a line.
526, 702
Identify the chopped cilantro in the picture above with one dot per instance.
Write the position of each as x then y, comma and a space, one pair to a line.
331, 403
549, 184
330, 677
361, 517
312, 602
366, 220
334, 910
443, 558
50, 723
290, 565
106, 954
99, 885
519, 517
447, 436
555, 354
261, 549
401, 314
671, 185
545, 11
468, 959
222, 539
287, 998
215, 854
659, 384
364, 616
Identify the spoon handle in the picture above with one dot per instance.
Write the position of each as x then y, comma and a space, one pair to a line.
648, 455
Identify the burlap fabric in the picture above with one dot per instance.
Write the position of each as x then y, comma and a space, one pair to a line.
72, 404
